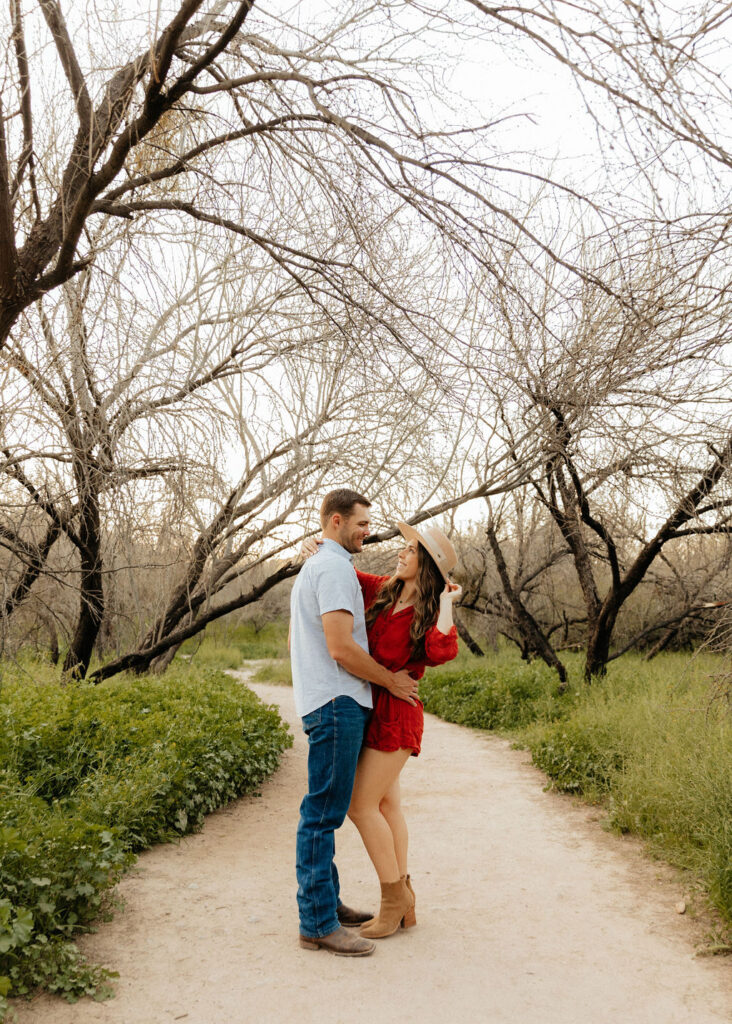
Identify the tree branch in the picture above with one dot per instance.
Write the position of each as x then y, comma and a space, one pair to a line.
688, 613
143, 657
8, 254
27, 158
36, 559
67, 55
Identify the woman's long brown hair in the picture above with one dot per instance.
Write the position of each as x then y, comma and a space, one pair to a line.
430, 585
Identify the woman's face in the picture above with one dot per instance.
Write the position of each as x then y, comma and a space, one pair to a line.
408, 562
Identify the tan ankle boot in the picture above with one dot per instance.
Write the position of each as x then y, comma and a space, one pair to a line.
397, 908
408, 883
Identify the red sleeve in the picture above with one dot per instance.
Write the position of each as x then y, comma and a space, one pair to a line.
370, 586
440, 647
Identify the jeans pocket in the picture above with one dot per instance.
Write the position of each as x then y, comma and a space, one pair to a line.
310, 721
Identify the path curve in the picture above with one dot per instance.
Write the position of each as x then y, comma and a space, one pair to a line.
528, 913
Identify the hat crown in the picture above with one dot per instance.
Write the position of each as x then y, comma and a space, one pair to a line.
434, 541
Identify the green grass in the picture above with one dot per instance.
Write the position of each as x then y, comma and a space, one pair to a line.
226, 646
91, 775
648, 742
278, 672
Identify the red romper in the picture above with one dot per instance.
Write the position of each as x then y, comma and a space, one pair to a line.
394, 723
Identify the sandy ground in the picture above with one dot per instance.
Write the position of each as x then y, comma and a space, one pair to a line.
527, 913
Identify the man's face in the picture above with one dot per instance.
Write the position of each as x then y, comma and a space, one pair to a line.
353, 530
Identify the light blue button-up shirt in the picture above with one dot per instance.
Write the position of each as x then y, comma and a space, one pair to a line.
327, 582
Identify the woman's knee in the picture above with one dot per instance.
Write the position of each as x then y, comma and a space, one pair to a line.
357, 811
362, 809
388, 806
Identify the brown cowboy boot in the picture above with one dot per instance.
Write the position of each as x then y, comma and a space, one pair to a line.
352, 918
341, 942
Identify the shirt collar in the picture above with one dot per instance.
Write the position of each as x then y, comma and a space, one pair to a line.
338, 549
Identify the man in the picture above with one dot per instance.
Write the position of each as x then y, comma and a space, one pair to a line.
331, 672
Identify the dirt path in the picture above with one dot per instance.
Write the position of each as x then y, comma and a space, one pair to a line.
528, 913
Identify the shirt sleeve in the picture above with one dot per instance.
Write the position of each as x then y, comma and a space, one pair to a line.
370, 586
440, 647
336, 590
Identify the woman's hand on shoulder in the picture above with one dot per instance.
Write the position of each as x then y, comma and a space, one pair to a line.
451, 594
309, 547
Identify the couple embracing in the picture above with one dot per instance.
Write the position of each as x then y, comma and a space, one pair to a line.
349, 630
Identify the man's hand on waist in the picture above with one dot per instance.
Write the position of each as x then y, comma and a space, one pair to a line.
404, 687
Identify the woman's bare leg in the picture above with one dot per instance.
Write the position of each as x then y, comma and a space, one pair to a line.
391, 808
377, 772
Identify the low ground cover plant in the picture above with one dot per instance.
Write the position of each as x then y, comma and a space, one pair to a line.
648, 742
499, 692
89, 776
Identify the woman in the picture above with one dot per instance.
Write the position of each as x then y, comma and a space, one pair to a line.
409, 624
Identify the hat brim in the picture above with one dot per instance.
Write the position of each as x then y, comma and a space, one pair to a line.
409, 533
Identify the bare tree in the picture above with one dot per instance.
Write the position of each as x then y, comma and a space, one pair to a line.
654, 71
98, 405
601, 406
229, 211
218, 373
355, 430
204, 110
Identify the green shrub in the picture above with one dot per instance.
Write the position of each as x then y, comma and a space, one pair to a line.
494, 698
576, 758
91, 775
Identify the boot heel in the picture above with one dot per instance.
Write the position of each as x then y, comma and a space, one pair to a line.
308, 943
410, 919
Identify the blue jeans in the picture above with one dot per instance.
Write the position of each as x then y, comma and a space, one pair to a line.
335, 733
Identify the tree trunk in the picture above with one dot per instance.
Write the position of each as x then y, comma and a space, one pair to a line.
662, 643
145, 657
53, 652
158, 665
466, 637
534, 640
598, 644
91, 599
47, 619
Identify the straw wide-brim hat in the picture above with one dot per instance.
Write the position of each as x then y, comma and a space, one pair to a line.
435, 543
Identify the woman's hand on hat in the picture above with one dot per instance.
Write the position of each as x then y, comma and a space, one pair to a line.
452, 593
309, 547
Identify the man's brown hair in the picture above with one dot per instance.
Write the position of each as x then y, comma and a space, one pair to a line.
341, 501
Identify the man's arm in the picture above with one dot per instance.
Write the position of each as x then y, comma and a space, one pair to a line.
338, 628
